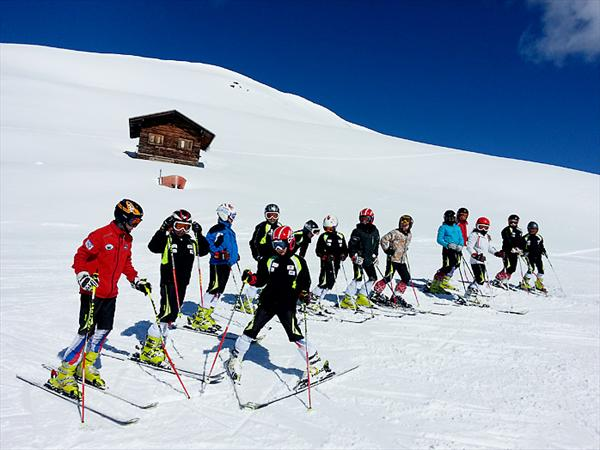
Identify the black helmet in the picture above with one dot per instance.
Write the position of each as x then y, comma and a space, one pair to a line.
462, 211
405, 218
311, 227
272, 212
513, 218
128, 212
449, 216
271, 207
532, 226
181, 215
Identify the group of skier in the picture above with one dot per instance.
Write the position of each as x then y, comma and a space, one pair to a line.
281, 272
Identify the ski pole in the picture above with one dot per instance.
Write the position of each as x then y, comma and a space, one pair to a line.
164, 345
521, 269
366, 290
412, 285
337, 297
89, 324
226, 329
174, 275
199, 271
307, 360
388, 283
555, 274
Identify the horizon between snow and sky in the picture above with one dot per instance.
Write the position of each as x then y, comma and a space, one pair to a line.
514, 78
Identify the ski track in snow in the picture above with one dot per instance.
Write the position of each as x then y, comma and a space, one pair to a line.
476, 378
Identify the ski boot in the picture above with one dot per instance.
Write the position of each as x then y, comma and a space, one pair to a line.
524, 284
347, 303
399, 302
445, 284
234, 366
400, 288
436, 287
471, 294
64, 381
362, 300
319, 369
245, 306
203, 321
92, 375
379, 287
152, 353
539, 285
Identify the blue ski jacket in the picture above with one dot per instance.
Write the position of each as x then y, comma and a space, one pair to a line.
221, 237
450, 234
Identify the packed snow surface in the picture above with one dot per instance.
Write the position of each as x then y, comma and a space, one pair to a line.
474, 379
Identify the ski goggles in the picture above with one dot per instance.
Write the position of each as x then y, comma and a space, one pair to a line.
482, 227
365, 219
279, 245
404, 221
315, 232
272, 215
182, 226
134, 221
513, 222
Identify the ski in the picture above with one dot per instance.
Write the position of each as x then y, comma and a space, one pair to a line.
435, 313
331, 376
216, 334
99, 412
134, 358
512, 311
234, 383
109, 393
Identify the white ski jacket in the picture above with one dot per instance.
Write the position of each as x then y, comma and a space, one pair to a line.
479, 243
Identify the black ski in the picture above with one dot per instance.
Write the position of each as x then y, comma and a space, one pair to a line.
108, 392
216, 334
134, 358
330, 376
101, 413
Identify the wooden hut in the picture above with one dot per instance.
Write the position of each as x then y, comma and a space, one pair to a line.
169, 136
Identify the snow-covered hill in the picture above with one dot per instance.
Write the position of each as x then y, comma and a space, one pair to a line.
474, 379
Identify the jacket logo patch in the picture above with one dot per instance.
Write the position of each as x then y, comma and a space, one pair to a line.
109, 246
89, 245
126, 246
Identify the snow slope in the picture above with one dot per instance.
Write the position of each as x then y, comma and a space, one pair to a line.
474, 379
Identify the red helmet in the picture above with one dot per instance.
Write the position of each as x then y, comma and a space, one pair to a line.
483, 223
284, 236
366, 215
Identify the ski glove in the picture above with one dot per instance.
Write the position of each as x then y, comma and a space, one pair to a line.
499, 254
248, 277
358, 260
479, 256
196, 228
142, 285
455, 247
223, 255
168, 223
86, 281
517, 250
389, 251
304, 296
327, 258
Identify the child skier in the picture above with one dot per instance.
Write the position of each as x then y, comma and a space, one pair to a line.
533, 252
104, 255
512, 245
304, 237
178, 250
286, 279
478, 244
363, 249
331, 250
223, 255
395, 245
451, 239
461, 216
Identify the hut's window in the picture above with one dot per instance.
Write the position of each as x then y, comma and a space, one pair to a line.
155, 138
185, 144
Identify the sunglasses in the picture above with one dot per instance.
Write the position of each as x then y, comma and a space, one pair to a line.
272, 215
134, 221
179, 226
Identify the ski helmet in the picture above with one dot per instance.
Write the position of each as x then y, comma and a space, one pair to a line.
366, 215
312, 227
272, 212
183, 220
449, 216
462, 211
226, 212
128, 212
532, 226
283, 237
405, 219
482, 224
330, 221
513, 218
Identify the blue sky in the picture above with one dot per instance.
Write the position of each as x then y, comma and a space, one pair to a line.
516, 78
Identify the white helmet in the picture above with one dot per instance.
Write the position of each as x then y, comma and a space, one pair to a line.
330, 221
226, 212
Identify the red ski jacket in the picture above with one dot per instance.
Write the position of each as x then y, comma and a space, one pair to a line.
107, 252
465, 232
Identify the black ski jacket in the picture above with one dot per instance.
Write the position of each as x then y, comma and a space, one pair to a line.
303, 240
260, 244
184, 252
512, 238
534, 246
364, 241
283, 278
333, 244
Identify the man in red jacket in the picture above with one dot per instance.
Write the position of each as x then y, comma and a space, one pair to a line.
104, 255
